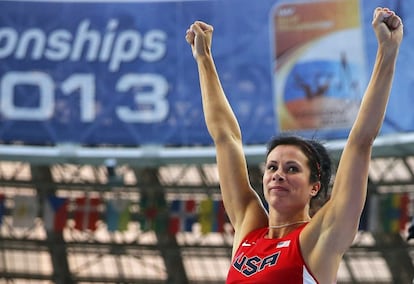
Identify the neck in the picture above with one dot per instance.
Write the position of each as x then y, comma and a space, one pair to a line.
288, 224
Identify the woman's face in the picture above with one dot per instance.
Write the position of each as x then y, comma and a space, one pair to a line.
286, 180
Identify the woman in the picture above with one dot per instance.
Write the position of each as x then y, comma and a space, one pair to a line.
287, 245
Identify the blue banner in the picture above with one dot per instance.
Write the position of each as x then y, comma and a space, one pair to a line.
121, 73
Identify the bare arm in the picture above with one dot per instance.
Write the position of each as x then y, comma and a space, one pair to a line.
241, 202
333, 229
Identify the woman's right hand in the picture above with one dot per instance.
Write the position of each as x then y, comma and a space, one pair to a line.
199, 36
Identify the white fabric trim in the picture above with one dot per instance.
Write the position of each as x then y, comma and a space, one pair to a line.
307, 277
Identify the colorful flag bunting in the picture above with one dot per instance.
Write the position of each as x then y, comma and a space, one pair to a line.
117, 214
153, 211
87, 213
55, 213
24, 211
394, 212
212, 216
183, 214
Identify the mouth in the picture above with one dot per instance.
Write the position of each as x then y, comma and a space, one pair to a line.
278, 189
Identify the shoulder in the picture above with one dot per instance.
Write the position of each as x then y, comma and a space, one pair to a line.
250, 237
256, 234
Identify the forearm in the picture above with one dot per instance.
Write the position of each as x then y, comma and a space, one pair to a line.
357, 152
374, 102
349, 192
220, 119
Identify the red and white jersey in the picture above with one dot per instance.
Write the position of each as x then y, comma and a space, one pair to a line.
261, 260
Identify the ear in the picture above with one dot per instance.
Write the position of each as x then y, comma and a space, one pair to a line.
315, 188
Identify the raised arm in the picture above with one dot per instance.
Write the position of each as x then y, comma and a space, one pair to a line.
333, 229
239, 198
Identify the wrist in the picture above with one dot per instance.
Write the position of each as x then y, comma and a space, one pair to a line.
387, 54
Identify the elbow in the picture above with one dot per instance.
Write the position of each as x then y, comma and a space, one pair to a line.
225, 138
362, 139
225, 134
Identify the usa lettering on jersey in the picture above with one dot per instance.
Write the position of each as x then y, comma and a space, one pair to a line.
249, 266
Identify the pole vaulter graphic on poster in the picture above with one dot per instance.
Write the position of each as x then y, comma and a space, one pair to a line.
319, 68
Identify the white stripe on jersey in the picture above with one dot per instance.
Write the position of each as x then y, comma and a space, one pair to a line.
307, 277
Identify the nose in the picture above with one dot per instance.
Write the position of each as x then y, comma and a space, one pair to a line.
278, 176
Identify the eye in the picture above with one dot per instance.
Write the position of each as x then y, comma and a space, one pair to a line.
292, 169
271, 167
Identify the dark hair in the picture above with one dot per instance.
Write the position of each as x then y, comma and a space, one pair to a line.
319, 161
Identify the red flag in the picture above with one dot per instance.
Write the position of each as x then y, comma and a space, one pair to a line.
87, 213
